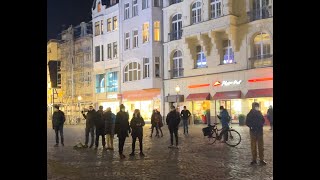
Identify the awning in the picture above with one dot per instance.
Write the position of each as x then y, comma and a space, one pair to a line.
198, 97
140, 95
253, 93
227, 95
174, 98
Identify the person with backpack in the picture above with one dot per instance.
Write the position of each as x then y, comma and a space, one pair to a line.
173, 121
58, 120
255, 122
225, 120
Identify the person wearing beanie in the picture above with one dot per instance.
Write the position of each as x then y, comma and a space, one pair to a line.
255, 122
58, 120
122, 128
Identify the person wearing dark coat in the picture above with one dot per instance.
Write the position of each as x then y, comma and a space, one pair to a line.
90, 120
109, 118
136, 125
158, 120
270, 116
255, 122
100, 127
173, 121
122, 128
185, 114
58, 120
154, 124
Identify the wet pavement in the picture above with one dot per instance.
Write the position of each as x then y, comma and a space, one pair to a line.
194, 159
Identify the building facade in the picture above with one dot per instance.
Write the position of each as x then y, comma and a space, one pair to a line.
75, 47
218, 52
105, 18
141, 54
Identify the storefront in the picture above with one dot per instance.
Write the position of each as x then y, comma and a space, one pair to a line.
145, 100
200, 107
111, 101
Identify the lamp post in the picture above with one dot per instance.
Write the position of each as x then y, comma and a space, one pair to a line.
177, 99
79, 99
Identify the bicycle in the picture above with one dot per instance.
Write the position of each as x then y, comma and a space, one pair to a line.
234, 137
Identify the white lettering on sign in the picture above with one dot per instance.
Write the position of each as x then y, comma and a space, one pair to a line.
228, 83
112, 96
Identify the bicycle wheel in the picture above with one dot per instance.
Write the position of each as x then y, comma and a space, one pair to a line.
212, 137
234, 138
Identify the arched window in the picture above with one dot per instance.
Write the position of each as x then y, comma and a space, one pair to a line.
177, 70
99, 7
262, 45
201, 61
215, 7
132, 72
196, 12
176, 27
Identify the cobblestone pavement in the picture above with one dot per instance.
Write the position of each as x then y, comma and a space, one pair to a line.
195, 159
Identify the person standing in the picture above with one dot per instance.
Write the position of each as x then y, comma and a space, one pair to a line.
136, 125
173, 120
122, 128
158, 120
185, 114
225, 119
100, 128
90, 119
58, 120
270, 116
109, 118
255, 122
153, 123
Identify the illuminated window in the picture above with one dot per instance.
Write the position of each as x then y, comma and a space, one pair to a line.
157, 67
112, 82
97, 28
146, 68
228, 55
109, 51
177, 70
157, 31
101, 26
135, 38
127, 40
196, 12
145, 4
100, 83
135, 8
145, 32
262, 45
109, 25
176, 27
115, 23
215, 8
99, 7
201, 59
126, 11
132, 72
115, 49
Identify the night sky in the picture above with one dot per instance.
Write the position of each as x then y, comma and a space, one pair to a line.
66, 12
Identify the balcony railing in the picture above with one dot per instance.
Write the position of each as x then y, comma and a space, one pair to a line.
261, 13
175, 35
175, 73
175, 1
261, 61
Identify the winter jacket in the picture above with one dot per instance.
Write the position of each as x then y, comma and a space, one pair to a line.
136, 125
99, 123
108, 118
270, 115
58, 119
224, 118
173, 119
122, 127
156, 119
255, 121
185, 114
90, 118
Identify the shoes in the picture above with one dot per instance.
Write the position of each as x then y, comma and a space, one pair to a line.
253, 163
122, 156
85, 146
56, 145
161, 135
111, 149
132, 154
171, 146
91, 146
263, 163
62, 144
177, 147
141, 154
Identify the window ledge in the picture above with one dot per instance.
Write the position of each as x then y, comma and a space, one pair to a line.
227, 64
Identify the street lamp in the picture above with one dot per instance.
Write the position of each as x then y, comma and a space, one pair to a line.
177, 99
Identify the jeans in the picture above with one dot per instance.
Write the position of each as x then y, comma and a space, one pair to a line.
257, 138
110, 141
98, 134
175, 132
224, 133
91, 131
185, 125
134, 143
122, 139
57, 130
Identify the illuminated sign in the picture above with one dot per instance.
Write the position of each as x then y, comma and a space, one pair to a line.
260, 79
227, 83
112, 96
198, 85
